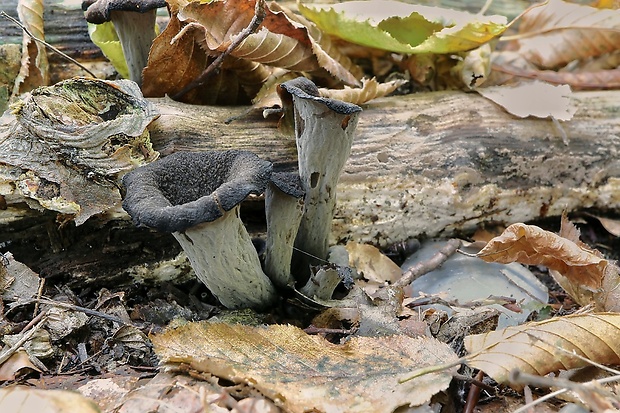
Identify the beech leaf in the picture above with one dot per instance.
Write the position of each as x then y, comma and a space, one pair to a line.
34, 70
280, 41
22, 399
307, 373
557, 32
371, 89
544, 347
405, 28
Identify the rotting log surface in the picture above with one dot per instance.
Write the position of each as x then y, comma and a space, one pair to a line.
424, 164
427, 164
437, 163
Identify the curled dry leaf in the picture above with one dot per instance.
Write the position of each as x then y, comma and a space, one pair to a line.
307, 373
371, 89
557, 32
34, 70
176, 60
201, 31
531, 245
547, 346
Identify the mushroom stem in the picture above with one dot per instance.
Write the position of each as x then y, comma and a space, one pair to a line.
324, 132
136, 32
225, 260
284, 207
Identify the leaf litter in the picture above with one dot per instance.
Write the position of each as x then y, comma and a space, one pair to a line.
588, 281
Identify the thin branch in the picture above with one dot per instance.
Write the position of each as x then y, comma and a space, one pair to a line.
44, 43
427, 266
214, 67
37, 322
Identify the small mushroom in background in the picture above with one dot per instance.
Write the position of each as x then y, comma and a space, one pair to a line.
134, 22
284, 207
196, 197
324, 133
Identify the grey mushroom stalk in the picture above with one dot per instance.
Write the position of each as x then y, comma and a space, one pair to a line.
134, 22
196, 197
324, 130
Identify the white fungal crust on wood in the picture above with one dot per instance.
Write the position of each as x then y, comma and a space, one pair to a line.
225, 260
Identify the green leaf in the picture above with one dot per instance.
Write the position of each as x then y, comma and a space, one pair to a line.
104, 36
405, 28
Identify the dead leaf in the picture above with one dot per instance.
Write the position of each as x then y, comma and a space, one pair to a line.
375, 267
611, 225
18, 363
538, 99
304, 373
177, 60
21, 399
556, 32
544, 347
371, 89
17, 281
531, 245
34, 70
204, 30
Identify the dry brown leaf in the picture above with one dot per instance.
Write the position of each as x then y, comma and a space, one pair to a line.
611, 225
175, 61
511, 67
531, 245
546, 346
23, 399
371, 89
34, 69
307, 373
280, 41
18, 363
553, 101
556, 33
368, 260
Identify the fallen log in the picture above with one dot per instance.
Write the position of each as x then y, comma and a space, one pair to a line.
431, 164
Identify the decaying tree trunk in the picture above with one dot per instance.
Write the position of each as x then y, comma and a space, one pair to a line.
427, 164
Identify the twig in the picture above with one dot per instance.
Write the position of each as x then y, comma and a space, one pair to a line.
44, 43
76, 308
427, 266
257, 20
473, 396
39, 294
582, 389
36, 322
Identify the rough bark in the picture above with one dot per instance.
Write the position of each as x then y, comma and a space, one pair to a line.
427, 164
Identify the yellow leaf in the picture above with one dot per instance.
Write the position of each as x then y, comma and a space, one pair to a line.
307, 373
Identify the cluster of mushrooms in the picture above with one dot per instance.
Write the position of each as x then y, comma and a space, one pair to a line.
196, 196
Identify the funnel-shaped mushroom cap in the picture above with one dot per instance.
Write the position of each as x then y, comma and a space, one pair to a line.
187, 188
98, 11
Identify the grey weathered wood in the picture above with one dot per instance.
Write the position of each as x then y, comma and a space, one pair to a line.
436, 163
